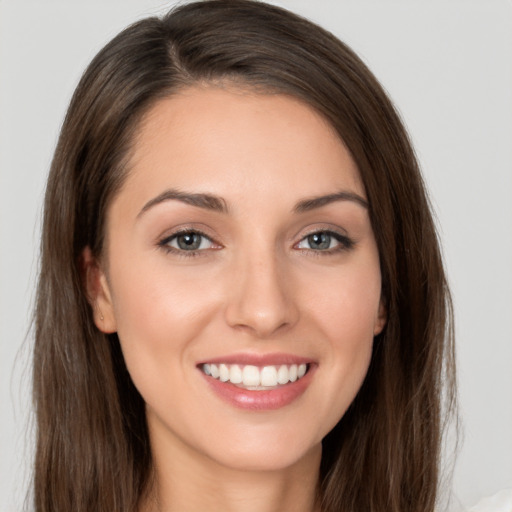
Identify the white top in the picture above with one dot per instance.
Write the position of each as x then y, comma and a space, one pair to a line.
499, 502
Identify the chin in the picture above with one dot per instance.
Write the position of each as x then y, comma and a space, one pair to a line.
267, 448
268, 458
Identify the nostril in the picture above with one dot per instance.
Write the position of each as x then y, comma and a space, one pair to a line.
260, 301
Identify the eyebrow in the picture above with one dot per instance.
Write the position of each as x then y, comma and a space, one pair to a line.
206, 201
317, 202
218, 204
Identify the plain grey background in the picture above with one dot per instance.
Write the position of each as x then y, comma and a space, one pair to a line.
447, 64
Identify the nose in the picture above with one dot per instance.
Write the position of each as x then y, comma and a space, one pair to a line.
261, 298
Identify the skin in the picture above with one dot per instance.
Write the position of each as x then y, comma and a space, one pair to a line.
255, 286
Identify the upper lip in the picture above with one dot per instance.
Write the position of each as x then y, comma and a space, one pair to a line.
271, 359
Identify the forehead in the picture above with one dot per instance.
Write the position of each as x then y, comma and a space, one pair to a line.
221, 140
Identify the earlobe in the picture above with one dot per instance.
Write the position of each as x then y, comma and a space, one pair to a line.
98, 292
382, 318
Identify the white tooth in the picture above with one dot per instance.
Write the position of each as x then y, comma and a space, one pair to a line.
214, 370
282, 375
206, 369
251, 376
269, 376
223, 373
293, 373
235, 374
301, 370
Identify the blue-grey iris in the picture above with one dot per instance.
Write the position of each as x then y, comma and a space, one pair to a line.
189, 241
321, 241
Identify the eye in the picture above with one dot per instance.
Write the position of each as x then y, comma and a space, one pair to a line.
189, 241
326, 241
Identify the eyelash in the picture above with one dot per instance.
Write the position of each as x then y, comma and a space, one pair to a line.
164, 243
345, 243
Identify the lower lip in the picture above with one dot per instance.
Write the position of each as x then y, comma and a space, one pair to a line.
263, 400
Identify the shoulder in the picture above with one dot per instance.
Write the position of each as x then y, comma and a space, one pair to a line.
499, 502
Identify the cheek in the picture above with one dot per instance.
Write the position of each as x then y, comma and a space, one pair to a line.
354, 320
159, 313
153, 296
346, 316
347, 304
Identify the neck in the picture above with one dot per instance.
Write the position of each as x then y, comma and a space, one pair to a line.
184, 482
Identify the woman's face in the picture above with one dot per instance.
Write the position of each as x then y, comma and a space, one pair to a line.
240, 255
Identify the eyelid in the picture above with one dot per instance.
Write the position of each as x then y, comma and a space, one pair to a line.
192, 227
322, 226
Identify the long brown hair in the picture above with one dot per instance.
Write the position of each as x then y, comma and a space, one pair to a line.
92, 442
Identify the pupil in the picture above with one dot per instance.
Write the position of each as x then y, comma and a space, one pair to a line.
319, 241
189, 241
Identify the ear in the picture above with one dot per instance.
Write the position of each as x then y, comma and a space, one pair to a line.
98, 292
381, 319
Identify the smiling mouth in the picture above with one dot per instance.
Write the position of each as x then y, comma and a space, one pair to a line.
256, 378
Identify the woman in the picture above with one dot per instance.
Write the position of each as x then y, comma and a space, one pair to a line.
241, 303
